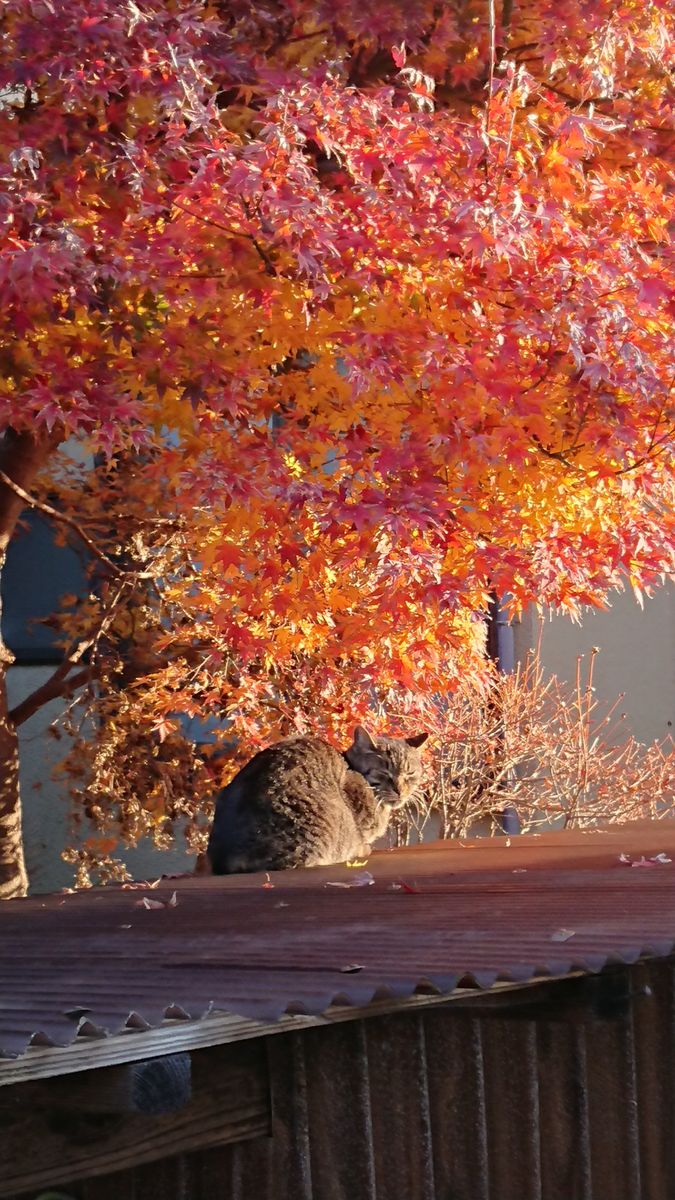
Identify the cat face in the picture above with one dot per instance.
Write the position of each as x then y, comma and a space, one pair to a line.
392, 766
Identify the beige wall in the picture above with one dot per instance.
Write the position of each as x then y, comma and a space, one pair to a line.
45, 803
637, 656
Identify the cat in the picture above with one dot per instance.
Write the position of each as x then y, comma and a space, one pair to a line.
301, 803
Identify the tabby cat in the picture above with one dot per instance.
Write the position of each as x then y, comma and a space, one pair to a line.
301, 803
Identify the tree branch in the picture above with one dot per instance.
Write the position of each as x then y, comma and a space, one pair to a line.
57, 685
556, 455
65, 520
21, 457
22, 454
248, 237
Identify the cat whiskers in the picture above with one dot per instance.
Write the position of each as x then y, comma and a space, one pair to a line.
416, 798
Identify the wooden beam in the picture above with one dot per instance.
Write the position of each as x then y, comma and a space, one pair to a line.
153, 1086
56, 1131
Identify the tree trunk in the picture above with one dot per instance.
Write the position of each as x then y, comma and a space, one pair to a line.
13, 877
21, 457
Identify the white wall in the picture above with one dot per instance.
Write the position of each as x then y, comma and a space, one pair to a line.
637, 656
45, 802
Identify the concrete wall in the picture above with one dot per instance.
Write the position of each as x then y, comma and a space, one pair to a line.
45, 802
637, 656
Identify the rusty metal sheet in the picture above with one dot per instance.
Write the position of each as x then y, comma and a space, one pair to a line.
76, 965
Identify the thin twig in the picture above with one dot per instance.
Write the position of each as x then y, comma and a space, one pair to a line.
210, 221
509, 143
655, 450
492, 20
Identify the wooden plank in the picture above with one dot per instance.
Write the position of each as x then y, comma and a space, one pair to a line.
563, 1111
120, 1186
214, 1030
153, 1086
44, 1144
338, 1106
654, 1030
456, 1090
170, 1179
512, 1110
289, 1170
613, 1111
215, 1173
399, 1105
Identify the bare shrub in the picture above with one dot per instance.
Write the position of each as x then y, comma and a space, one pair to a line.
547, 748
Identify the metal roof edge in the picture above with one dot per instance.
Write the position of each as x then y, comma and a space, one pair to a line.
219, 1028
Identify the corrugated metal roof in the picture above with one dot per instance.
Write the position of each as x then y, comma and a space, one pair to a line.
75, 966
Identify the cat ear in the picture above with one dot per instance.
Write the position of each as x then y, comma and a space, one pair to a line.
363, 740
418, 740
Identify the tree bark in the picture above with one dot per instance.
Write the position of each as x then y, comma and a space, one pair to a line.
21, 457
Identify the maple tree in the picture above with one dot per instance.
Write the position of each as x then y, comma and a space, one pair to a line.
364, 310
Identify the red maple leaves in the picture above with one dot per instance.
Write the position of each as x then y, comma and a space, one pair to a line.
384, 341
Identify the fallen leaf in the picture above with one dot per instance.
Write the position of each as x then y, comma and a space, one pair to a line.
406, 887
173, 901
268, 882
351, 969
363, 880
141, 885
562, 935
146, 902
